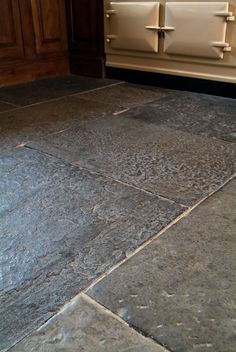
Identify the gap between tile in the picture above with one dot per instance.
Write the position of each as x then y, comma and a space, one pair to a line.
154, 237
120, 112
99, 88
63, 96
129, 256
83, 292
114, 316
97, 305
77, 165
6, 102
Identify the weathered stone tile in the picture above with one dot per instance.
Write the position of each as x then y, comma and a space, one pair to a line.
22, 173
5, 107
60, 228
181, 288
198, 114
21, 125
174, 164
126, 95
83, 326
42, 90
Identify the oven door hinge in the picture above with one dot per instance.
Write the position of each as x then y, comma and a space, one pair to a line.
108, 13
224, 46
229, 16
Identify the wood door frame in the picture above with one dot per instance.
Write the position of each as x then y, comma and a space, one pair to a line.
88, 62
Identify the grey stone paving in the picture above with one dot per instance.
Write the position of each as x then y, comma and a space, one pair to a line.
42, 90
61, 227
83, 326
126, 95
6, 106
73, 179
174, 164
181, 289
22, 125
194, 113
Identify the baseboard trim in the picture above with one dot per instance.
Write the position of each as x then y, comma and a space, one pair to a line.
30, 70
87, 66
173, 82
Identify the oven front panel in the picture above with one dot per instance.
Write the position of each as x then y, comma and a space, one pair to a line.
196, 39
198, 29
131, 26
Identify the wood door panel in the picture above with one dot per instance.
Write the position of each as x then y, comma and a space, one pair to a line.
11, 44
49, 25
50, 15
7, 33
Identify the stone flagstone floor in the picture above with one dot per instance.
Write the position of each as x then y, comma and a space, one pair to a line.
117, 218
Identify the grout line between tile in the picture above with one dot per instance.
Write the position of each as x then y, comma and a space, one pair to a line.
120, 112
140, 248
63, 96
129, 185
99, 306
99, 88
153, 238
7, 103
114, 316
92, 172
77, 165
83, 292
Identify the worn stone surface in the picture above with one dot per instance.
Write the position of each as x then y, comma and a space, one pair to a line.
60, 228
83, 326
22, 125
199, 114
174, 164
6, 106
181, 289
126, 95
42, 90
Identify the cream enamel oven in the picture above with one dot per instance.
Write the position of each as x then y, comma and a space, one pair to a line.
195, 39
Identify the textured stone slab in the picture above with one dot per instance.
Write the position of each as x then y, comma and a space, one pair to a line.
83, 326
6, 106
126, 95
174, 164
21, 125
181, 289
42, 90
199, 114
60, 228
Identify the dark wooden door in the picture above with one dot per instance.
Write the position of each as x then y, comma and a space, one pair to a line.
33, 40
11, 42
85, 36
49, 25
